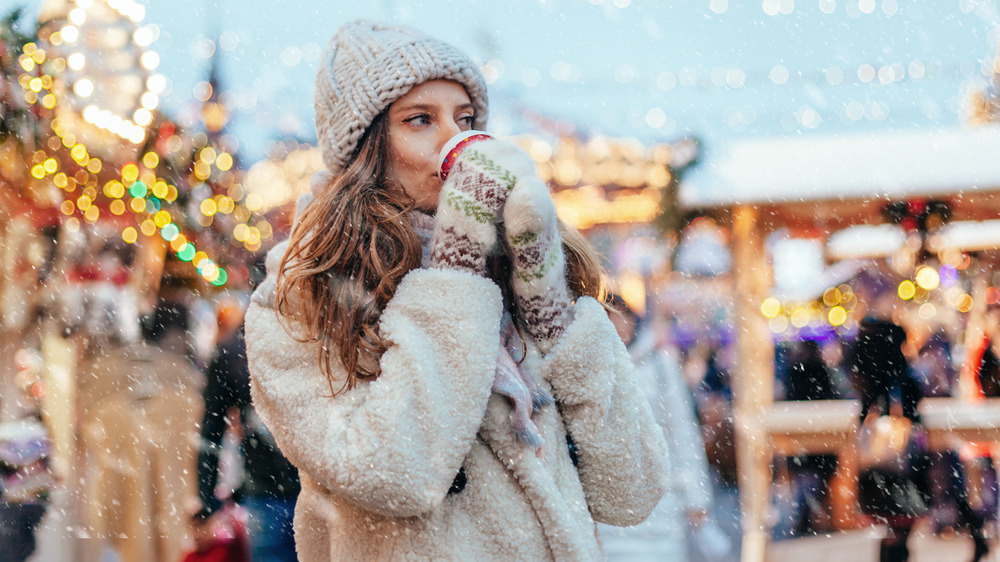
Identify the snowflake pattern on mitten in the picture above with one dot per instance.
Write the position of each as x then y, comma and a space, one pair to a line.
470, 201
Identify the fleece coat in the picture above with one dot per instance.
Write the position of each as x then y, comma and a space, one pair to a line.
377, 462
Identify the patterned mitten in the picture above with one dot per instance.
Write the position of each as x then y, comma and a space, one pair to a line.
470, 201
539, 278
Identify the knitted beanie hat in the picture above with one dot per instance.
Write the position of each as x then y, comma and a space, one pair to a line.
369, 65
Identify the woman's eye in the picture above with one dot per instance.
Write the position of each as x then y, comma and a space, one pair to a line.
467, 120
422, 119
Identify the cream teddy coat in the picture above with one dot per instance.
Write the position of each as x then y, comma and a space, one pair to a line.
376, 462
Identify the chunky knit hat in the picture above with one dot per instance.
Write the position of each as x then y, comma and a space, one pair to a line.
366, 67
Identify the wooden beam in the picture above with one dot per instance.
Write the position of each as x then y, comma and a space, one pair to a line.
753, 380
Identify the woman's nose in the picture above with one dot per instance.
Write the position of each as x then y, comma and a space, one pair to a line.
449, 130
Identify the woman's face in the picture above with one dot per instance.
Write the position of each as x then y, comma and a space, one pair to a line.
420, 123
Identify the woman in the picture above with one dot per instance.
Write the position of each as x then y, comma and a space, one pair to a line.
406, 362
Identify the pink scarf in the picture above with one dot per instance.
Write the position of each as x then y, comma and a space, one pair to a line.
512, 379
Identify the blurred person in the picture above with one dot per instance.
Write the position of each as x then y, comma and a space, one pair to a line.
448, 387
809, 378
270, 483
686, 506
978, 477
26, 477
140, 404
714, 405
932, 367
882, 372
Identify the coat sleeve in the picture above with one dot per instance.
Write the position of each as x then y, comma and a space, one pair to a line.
621, 451
395, 444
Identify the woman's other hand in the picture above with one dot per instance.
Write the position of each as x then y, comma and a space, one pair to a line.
539, 267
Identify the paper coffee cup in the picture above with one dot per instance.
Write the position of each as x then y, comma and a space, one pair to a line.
455, 146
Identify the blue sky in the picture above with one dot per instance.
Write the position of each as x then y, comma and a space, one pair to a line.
717, 69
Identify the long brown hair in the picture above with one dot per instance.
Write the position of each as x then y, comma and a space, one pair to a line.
352, 246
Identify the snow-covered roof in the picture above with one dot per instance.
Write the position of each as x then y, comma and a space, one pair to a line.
857, 166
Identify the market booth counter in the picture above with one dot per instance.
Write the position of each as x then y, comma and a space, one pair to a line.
815, 187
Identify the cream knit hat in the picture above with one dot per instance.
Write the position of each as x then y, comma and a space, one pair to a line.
369, 65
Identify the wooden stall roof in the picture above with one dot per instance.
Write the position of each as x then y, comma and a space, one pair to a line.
830, 182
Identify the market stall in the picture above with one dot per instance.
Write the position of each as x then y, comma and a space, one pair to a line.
813, 188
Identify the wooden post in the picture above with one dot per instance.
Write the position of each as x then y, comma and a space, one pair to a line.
753, 380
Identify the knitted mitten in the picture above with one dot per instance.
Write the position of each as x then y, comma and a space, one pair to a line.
470, 201
539, 276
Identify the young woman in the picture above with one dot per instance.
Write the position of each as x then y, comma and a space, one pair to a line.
429, 354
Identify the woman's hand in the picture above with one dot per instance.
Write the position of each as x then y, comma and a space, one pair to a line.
535, 247
471, 200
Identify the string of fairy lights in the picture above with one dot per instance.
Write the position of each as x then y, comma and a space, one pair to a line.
136, 187
930, 288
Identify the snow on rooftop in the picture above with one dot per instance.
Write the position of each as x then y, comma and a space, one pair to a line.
889, 165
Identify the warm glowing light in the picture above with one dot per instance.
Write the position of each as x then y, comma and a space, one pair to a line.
927, 278
117, 207
992, 295
202, 171
964, 303
70, 33
142, 117
778, 324
254, 202
209, 271
800, 317
138, 205
837, 316
770, 307
78, 16
224, 162
208, 207
226, 205
831, 296
129, 235
76, 61
151, 160
160, 189
84, 88
114, 189
149, 100
130, 172
207, 155
177, 243
147, 227
906, 290
241, 232
162, 218
150, 60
